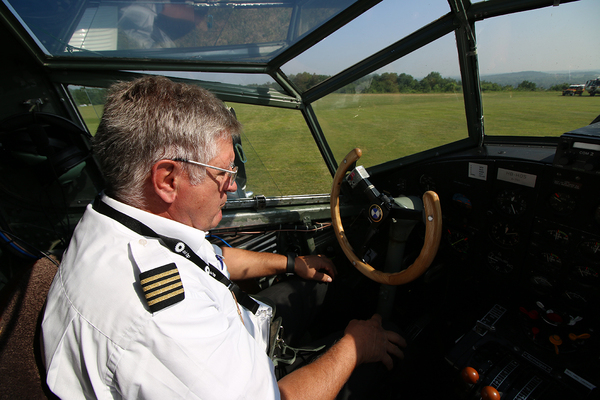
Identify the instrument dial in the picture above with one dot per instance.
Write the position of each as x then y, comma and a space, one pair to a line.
587, 275
462, 202
551, 260
562, 203
590, 250
541, 282
458, 241
500, 262
575, 297
557, 236
511, 202
505, 234
427, 182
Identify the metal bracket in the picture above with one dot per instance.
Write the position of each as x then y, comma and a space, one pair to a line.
261, 202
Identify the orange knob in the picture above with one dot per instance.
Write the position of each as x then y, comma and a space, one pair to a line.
489, 393
573, 336
469, 375
556, 341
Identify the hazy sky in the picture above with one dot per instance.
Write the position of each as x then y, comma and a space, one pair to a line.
550, 39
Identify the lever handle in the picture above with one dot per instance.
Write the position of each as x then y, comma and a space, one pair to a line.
469, 375
489, 393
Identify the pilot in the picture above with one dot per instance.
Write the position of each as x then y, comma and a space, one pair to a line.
143, 306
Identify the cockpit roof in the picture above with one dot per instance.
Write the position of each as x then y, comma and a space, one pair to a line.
220, 31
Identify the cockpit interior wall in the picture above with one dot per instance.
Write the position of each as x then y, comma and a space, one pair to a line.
46, 166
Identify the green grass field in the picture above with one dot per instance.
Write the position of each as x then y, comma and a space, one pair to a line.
283, 158
91, 115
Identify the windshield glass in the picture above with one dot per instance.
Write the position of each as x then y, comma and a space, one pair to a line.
392, 113
527, 62
376, 29
278, 155
199, 30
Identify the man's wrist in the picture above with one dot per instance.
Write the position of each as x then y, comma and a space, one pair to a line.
291, 263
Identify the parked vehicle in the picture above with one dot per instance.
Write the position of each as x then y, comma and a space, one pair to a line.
572, 90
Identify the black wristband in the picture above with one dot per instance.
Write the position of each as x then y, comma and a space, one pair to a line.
291, 262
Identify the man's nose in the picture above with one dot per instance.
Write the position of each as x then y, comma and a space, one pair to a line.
231, 185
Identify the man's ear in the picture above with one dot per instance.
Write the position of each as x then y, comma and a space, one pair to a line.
165, 178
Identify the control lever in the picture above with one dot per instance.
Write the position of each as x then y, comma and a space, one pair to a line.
556, 341
533, 314
489, 393
469, 375
575, 337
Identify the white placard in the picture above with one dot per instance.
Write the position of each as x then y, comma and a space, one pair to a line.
520, 178
478, 171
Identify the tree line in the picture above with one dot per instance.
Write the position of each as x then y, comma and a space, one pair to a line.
391, 82
387, 82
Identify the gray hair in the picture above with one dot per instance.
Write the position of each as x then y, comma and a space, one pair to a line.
151, 119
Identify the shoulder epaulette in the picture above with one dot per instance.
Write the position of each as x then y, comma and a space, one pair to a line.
162, 287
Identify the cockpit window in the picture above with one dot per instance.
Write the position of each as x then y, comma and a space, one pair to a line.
278, 154
527, 64
282, 157
398, 110
90, 104
200, 30
377, 28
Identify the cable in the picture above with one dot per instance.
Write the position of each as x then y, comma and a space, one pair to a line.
12, 240
221, 239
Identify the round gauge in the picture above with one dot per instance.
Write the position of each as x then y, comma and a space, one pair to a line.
461, 202
590, 250
562, 203
458, 241
427, 182
511, 202
575, 297
551, 260
557, 236
504, 233
499, 262
586, 275
541, 282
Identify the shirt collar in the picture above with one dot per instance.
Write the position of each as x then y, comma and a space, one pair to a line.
194, 238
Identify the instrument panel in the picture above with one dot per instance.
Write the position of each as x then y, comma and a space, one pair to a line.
524, 233
516, 218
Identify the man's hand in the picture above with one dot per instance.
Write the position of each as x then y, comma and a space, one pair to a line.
318, 268
373, 343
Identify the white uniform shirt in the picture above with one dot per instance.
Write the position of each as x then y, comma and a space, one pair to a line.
100, 339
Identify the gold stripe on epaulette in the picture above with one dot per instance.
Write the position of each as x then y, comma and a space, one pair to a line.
163, 282
150, 295
155, 277
165, 297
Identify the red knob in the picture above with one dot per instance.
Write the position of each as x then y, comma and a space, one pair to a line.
489, 393
470, 375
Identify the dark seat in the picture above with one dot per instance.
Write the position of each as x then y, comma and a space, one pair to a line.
22, 374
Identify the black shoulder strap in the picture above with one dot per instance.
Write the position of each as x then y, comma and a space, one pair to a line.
177, 247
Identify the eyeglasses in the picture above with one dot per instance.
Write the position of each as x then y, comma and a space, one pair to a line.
232, 172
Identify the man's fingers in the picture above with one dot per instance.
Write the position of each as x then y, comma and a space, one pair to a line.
396, 338
319, 276
388, 362
394, 350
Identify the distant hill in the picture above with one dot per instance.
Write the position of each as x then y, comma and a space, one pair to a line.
541, 79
